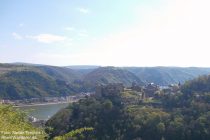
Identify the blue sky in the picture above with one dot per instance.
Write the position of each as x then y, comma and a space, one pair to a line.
119, 33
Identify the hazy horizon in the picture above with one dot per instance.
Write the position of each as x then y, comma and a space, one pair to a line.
144, 33
169, 66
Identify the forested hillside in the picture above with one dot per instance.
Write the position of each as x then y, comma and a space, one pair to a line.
105, 75
167, 75
24, 81
183, 115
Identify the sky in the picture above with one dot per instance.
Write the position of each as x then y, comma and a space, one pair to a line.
106, 33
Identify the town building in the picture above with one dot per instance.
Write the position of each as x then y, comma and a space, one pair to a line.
110, 89
150, 90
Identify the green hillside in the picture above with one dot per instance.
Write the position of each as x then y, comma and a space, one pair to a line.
61, 73
105, 75
23, 81
30, 84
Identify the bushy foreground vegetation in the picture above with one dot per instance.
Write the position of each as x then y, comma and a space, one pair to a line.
14, 125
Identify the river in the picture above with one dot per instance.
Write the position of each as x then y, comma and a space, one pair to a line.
44, 111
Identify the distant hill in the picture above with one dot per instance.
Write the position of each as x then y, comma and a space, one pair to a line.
24, 81
61, 73
26, 64
105, 75
27, 84
167, 75
158, 75
83, 69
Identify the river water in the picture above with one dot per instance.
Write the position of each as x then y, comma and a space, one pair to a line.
44, 112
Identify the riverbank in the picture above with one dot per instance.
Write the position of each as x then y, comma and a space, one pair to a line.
41, 104
43, 111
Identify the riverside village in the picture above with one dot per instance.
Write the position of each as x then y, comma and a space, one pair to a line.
148, 91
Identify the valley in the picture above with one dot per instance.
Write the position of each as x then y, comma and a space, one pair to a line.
25, 81
108, 102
